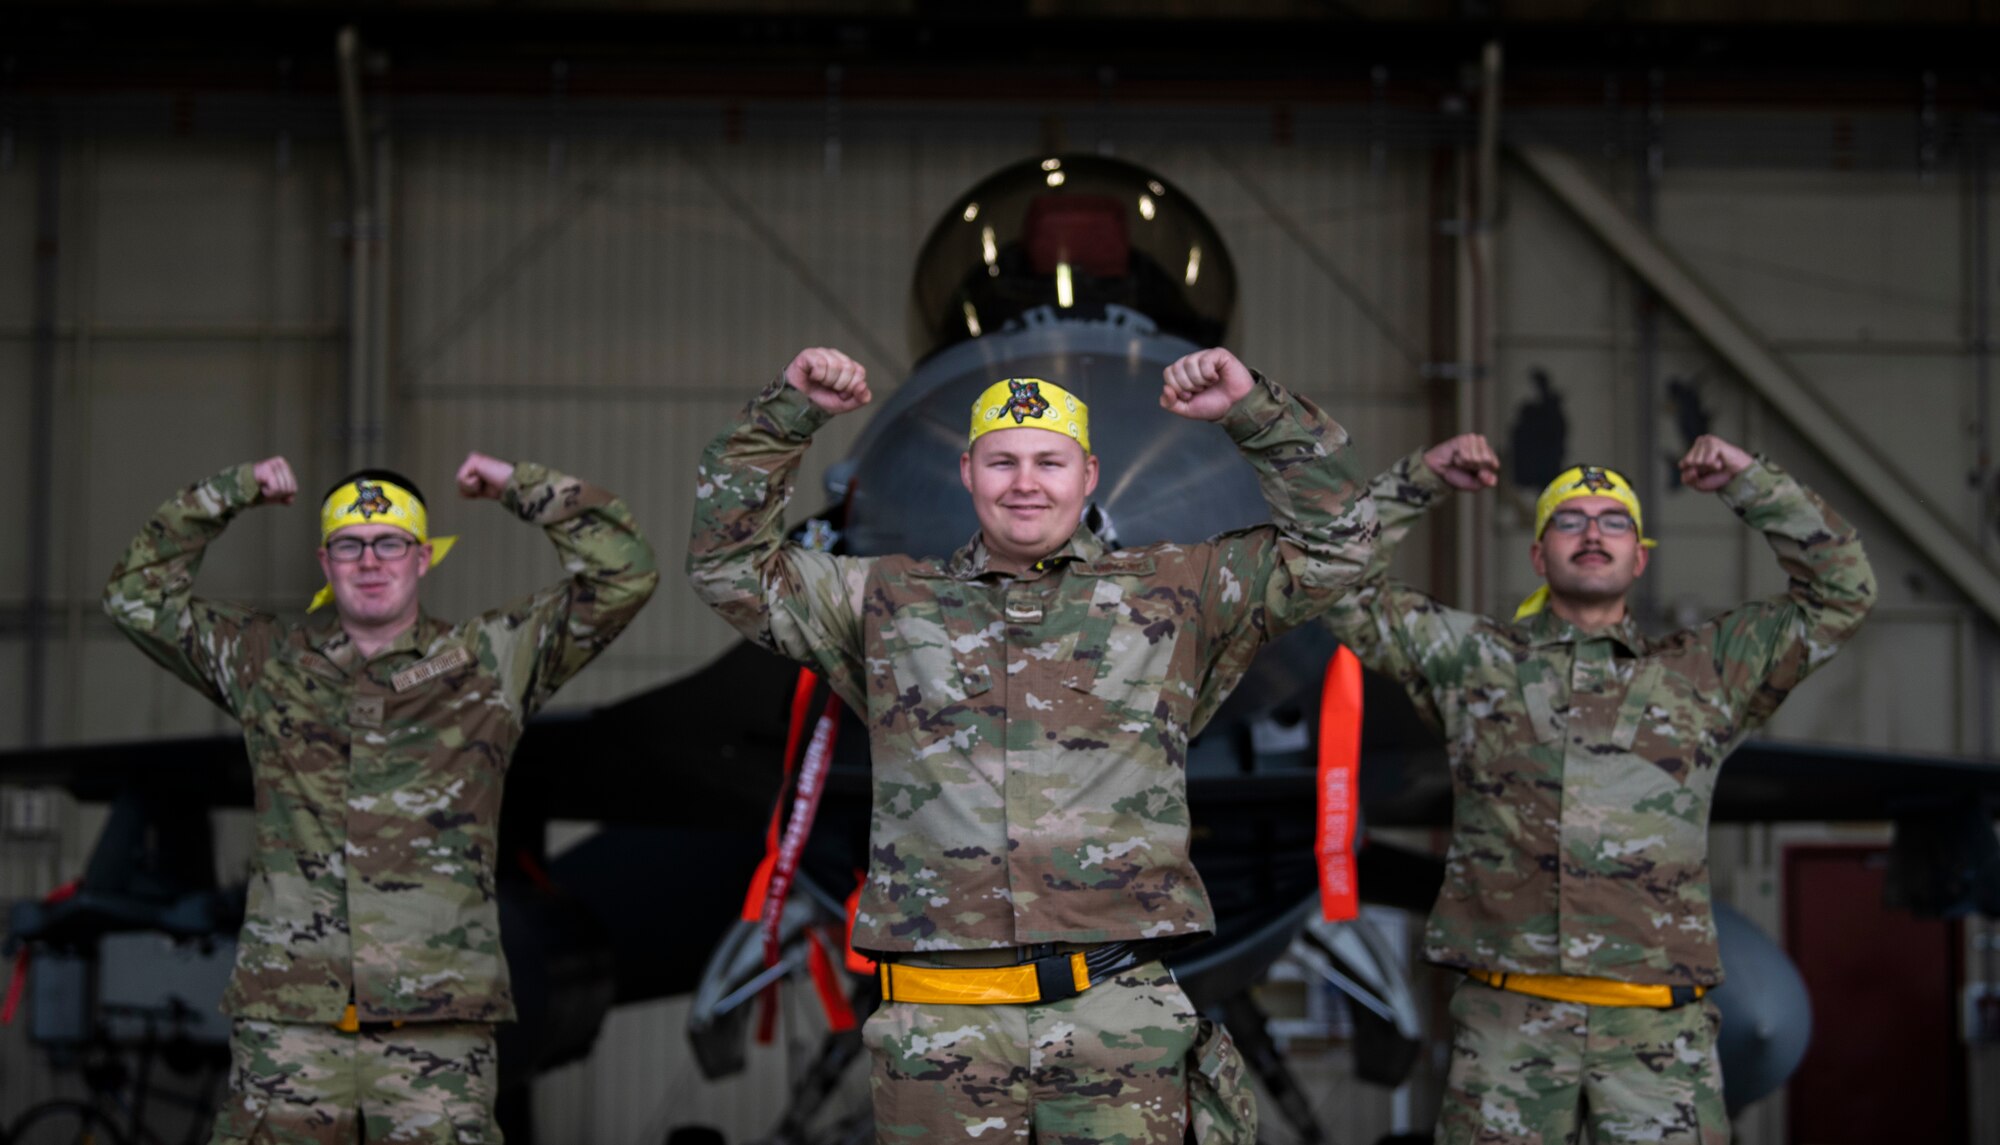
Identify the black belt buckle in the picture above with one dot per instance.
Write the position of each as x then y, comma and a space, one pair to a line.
1055, 979
1682, 995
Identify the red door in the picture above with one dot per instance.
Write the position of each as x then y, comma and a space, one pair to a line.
1886, 1062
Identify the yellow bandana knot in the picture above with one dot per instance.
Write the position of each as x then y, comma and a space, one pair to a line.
1030, 403
1577, 482
375, 501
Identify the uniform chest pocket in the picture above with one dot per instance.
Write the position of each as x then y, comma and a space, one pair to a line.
1660, 722
1491, 722
1532, 707
1635, 710
938, 656
301, 709
1124, 650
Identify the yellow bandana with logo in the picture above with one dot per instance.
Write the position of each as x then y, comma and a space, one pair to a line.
1573, 484
1030, 403
375, 501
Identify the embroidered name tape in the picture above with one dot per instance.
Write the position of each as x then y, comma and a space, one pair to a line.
438, 665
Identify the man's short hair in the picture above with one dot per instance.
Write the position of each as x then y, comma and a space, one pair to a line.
389, 475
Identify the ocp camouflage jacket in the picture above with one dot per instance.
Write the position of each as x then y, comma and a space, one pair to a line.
378, 783
1583, 763
1028, 734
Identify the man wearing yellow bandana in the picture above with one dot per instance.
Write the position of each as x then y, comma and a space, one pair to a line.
1584, 756
1029, 702
369, 973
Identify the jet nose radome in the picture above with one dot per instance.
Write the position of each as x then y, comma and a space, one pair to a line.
1084, 236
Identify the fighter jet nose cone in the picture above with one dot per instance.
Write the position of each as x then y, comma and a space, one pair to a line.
1071, 236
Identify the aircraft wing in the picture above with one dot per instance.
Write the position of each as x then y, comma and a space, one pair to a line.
1763, 781
213, 767
704, 751
1776, 781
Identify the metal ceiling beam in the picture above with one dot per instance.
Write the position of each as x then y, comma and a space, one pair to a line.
987, 51
1730, 335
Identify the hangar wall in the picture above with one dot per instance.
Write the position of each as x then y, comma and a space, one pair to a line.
601, 290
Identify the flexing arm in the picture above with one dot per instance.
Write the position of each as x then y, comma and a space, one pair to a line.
1765, 648
1396, 630
799, 603
1264, 581
214, 646
555, 632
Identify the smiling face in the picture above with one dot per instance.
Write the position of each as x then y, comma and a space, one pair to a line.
1028, 489
1589, 568
373, 592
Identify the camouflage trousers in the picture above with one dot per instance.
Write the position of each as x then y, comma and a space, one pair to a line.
297, 1084
1109, 1065
1525, 1071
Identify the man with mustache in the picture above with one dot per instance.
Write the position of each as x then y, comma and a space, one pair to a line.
1029, 702
1584, 755
369, 973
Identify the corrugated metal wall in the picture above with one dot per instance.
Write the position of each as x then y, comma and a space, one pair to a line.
602, 290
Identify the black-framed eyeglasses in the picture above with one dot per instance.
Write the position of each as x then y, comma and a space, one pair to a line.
388, 547
1611, 522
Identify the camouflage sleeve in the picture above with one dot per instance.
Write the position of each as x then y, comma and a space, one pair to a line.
214, 646
1765, 648
1259, 583
555, 632
799, 603
1395, 630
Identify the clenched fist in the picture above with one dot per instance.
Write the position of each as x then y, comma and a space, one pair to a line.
1205, 385
1466, 462
1712, 463
830, 379
275, 483
483, 476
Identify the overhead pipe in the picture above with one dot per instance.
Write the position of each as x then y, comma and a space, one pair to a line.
41, 431
361, 433
1982, 387
1478, 371
1646, 317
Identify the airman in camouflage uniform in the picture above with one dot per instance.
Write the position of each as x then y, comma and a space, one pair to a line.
1584, 757
379, 738
1029, 702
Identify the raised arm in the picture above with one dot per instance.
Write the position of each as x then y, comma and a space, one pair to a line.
802, 604
549, 637
1395, 629
1765, 648
214, 646
1261, 582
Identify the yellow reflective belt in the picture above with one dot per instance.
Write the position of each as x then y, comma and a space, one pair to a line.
970, 986
1588, 991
